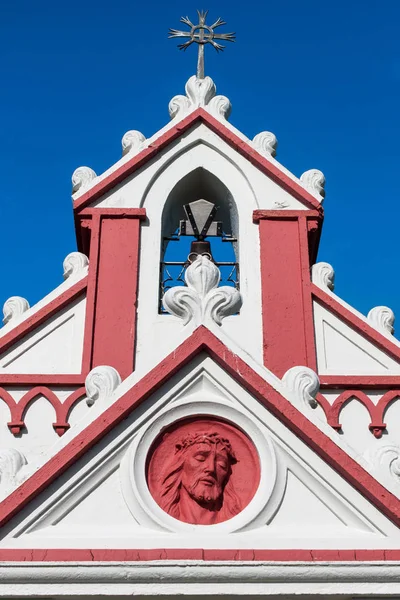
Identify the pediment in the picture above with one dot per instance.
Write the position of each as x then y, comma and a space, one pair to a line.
199, 140
104, 501
342, 350
54, 346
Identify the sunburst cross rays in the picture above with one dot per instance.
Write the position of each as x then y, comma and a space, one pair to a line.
202, 34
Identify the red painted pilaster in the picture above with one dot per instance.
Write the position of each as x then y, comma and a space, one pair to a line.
288, 329
110, 330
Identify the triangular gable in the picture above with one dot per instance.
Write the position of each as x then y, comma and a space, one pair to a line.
199, 115
36, 329
203, 340
348, 344
300, 502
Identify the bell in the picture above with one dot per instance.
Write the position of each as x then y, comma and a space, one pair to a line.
200, 247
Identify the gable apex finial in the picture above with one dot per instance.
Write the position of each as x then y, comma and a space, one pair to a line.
202, 34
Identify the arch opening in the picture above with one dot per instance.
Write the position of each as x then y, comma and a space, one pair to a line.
178, 241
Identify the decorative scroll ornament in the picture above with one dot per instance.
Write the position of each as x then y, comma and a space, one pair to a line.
132, 142
202, 298
382, 318
303, 382
13, 308
82, 178
389, 457
11, 463
265, 143
323, 275
314, 181
100, 383
199, 93
74, 263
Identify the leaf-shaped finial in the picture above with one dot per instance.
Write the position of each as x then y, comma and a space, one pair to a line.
303, 382
100, 384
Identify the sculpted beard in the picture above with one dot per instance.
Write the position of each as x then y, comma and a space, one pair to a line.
206, 493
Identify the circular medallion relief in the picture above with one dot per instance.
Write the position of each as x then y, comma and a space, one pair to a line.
203, 470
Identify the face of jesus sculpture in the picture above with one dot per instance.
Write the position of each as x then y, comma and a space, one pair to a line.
206, 470
196, 486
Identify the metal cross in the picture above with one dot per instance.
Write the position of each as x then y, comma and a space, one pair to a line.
202, 34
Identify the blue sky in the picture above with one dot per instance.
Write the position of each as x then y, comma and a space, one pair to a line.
324, 76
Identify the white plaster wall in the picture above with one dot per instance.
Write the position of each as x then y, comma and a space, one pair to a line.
343, 351
392, 420
55, 347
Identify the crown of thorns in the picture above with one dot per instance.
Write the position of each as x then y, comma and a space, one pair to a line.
206, 438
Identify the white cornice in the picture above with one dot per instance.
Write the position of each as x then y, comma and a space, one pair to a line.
166, 578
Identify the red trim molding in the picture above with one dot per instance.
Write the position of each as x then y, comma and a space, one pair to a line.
308, 313
203, 340
173, 554
289, 215
356, 323
376, 411
110, 327
91, 293
22, 380
367, 382
62, 409
116, 295
288, 324
121, 213
199, 115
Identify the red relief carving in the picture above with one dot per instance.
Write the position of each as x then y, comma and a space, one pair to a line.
62, 409
203, 471
376, 411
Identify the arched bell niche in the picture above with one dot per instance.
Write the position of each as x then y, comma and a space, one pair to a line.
177, 231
